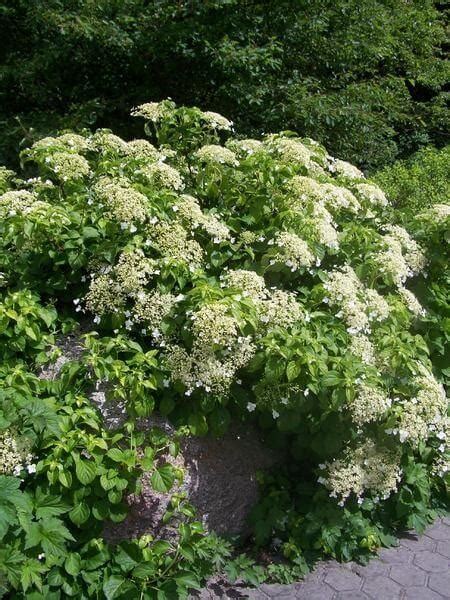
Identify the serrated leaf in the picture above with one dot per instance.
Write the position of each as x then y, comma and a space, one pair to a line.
85, 471
80, 513
72, 564
116, 586
293, 370
162, 479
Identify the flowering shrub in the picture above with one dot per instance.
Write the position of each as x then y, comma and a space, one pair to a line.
263, 280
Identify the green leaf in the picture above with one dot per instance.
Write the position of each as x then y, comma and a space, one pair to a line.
80, 513
49, 506
116, 586
85, 471
115, 454
72, 564
51, 534
65, 478
188, 580
293, 370
162, 479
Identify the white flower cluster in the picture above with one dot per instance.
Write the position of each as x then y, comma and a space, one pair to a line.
106, 142
307, 202
104, 295
17, 201
152, 111
203, 369
323, 226
15, 453
369, 468
171, 240
110, 287
217, 121
67, 141
290, 150
411, 302
293, 251
334, 197
362, 347
439, 212
250, 283
424, 414
213, 325
142, 149
247, 146
402, 257
275, 307
441, 463
368, 405
213, 153
162, 175
152, 308
337, 197
68, 166
133, 271
281, 309
344, 169
123, 203
188, 208
372, 193
357, 304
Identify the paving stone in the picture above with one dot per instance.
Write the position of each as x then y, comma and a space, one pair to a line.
431, 562
381, 588
351, 596
396, 556
439, 531
408, 575
440, 583
421, 593
444, 548
342, 579
314, 592
417, 543
373, 568
446, 520
276, 590
319, 573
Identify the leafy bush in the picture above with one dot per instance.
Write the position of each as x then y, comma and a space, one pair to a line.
367, 79
260, 280
419, 182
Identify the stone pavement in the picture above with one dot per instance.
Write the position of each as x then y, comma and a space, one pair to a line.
417, 569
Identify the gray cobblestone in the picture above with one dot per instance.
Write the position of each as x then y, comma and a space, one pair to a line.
444, 548
341, 580
440, 583
382, 587
408, 575
431, 562
422, 593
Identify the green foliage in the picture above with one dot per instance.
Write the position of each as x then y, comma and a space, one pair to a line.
256, 280
419, 182
52, 510
367, 79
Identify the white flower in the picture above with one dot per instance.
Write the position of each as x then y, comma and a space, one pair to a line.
251, 406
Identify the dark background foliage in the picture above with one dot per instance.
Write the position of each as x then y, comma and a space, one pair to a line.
364, 77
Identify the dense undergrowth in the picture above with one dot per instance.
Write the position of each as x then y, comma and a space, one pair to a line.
225, 279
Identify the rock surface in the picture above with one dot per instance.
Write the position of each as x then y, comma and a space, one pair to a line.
220, 478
